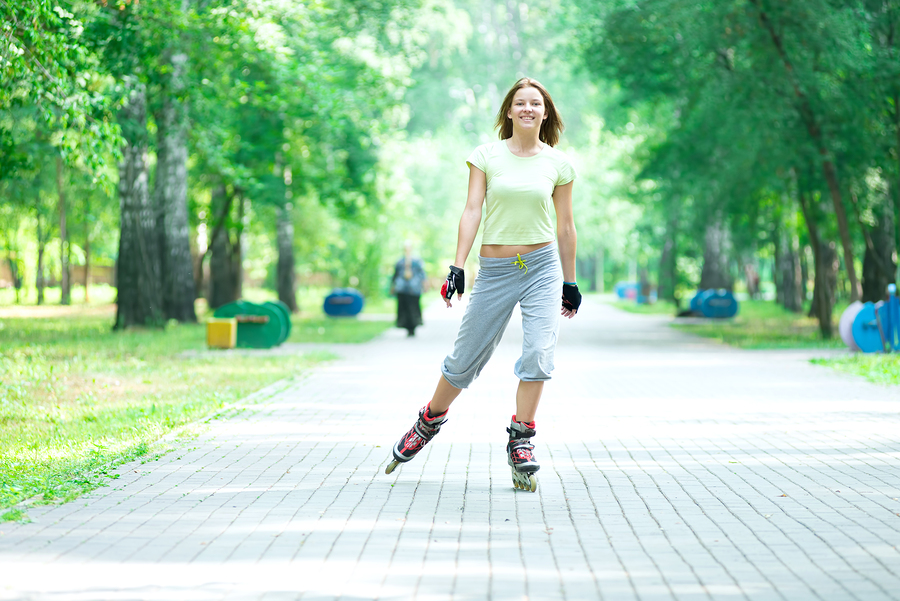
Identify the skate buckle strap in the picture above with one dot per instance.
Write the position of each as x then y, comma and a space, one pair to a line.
519, 434
516, 445
520, 263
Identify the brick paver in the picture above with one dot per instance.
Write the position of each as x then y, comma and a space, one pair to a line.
672, 468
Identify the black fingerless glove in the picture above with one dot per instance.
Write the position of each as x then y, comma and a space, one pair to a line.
571, 298
455, 283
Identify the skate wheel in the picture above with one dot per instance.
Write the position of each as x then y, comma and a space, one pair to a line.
524, 482
391, 466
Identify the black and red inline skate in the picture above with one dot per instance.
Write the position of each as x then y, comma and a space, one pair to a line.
419, 435
520, 453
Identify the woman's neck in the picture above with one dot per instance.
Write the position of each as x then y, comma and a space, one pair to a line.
524, 144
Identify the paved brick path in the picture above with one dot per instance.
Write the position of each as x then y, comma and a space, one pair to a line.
672, 468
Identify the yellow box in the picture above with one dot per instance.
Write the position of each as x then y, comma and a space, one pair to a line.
221, 332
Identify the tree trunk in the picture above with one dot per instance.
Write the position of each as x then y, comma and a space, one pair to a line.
788, 275
285, 274
843, 226
804, 273
878, 262
139, 298
221, 279
221, 218
825, 290
237, 250
12, 263
715, 272
170, 197
811, 122
896, 185
668, 264
65, 282
39, 275
792, 276
825, 257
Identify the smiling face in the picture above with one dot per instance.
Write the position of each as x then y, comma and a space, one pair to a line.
526, 106
527, 110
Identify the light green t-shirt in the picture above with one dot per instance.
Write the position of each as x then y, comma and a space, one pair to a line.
519, 198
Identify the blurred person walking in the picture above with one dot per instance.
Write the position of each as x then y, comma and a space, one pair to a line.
407, 285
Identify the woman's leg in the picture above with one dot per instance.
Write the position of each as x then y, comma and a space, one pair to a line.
540, 327
444, 394
527, 398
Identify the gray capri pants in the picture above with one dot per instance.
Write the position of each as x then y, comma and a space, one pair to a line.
501, 283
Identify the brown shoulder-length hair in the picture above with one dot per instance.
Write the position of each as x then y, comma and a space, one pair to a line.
551, 127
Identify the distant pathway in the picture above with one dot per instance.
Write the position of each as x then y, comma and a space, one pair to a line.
672, 468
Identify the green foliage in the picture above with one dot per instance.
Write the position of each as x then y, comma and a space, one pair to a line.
763, 325
14, 515
745, 99
51, 83
879, 368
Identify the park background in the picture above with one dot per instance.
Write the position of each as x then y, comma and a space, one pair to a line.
173, 156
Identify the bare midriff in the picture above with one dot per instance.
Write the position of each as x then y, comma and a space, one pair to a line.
503, 251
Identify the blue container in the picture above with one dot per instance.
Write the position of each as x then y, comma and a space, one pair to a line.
627, 290
715, 304
868, 328
876, 328
892, 318
343, 302
695, 301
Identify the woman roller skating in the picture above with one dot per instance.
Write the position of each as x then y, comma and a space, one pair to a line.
518, 180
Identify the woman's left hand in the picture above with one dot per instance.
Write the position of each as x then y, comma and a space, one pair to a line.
571, 300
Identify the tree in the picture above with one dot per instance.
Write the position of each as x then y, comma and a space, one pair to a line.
138, 276
757, 90
171, 181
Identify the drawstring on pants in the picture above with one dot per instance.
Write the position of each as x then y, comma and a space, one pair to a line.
520, 262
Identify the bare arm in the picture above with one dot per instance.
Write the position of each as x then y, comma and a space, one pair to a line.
471, 217
470, 220
566, 237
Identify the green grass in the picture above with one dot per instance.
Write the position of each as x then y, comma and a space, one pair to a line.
14, 515
876, 367
77, 399
766, 325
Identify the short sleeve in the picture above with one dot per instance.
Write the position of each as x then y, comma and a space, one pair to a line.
565, 171
478, 158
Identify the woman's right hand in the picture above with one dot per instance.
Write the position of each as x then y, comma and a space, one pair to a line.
455, 282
